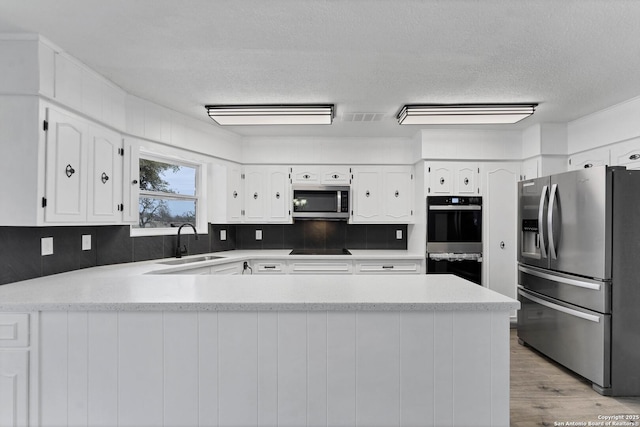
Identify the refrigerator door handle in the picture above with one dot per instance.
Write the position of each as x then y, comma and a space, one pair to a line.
563, 280
566, 310
552, 200
543, 197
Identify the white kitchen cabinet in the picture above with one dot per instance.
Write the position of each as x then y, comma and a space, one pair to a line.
267, 192
235, 194
453, 178
67, 147
626, 154
198, 271
591, 158
269, 267
131, 180
14, 369
382, 194
105, 176
530, 169
387, 267
232, 268
320, 267
320, 175
500, 201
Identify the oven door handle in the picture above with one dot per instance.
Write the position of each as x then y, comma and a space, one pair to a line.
455, 208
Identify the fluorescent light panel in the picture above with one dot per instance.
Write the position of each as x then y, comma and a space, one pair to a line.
458, 114
247, 115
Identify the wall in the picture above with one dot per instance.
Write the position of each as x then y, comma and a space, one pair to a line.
21, 260
471, 144
615, 124
325, 150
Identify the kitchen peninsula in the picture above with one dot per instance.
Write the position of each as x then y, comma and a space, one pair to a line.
113, 346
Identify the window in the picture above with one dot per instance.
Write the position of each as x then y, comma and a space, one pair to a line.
168, 193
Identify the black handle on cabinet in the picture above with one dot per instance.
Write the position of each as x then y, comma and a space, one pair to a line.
235, 194
367, 194
441, 181
255, 196
134, 182
466, 181
634, 157
588, 165
69, 171
387, 266
397, 193
104, 178
277, 195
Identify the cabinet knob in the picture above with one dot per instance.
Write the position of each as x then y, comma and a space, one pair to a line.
397, 193
502, 245
634, 157
277, 195
466, 181
441, 181
255, 196
306, 176
588, 165
134, 182
367, 194
334, 176
104, 178
235, 194
69, 171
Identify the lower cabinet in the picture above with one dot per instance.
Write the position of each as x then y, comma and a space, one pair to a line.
321, 267
14, 369
391, 267
269, 267
231, 268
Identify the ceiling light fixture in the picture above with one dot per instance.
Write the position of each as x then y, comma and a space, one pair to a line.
241, 115
464, 114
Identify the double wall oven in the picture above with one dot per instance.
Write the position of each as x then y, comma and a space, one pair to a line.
454, 236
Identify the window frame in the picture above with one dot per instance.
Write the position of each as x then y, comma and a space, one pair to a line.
201, 223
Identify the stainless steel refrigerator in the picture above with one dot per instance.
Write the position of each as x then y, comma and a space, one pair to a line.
579, 273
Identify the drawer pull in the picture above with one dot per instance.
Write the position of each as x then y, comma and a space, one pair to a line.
566, 310
634, 157
270, 267
387, 266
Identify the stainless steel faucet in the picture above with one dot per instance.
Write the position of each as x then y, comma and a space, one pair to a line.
183, 250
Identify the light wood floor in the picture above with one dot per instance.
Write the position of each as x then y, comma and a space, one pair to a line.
544, 393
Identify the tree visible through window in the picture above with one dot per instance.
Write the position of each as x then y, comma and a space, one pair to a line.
167, 194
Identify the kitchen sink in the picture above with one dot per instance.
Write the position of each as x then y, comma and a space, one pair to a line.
179, 261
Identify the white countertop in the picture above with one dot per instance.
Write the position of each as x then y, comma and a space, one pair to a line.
129, 287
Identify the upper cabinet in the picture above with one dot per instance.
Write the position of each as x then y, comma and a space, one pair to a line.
258, 194
455, 178
626, 154
589, 159
382, 194
69, 170
320, 175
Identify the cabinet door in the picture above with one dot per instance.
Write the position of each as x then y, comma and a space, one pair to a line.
591, 158
367, 195
398, 194
626, 154
131, 181
499, 218
66, 175
305, 174
440, 178
466, 179
105, 176
235, 194
14, 387
278, 195
335, 175
255, 195
234, 268
530, 169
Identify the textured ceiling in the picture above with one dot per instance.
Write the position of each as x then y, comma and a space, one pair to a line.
573, 57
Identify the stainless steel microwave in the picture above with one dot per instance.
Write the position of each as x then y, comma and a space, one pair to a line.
317, 202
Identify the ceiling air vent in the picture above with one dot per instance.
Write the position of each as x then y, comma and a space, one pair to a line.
362, 117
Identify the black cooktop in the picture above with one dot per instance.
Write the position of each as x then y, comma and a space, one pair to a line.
320, 252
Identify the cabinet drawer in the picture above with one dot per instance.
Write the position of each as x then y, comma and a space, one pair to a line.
198, 271
14, 330
234, 268
269, 267
388, 268
321, 268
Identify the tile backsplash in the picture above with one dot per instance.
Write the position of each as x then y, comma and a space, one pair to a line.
20, 249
